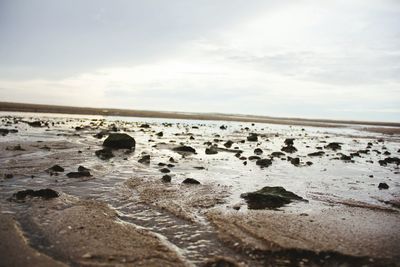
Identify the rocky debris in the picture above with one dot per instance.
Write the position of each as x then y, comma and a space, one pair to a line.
228, 144
345, 157
166, 178
254, 158
270, 197
145, 126
55, 168
252, 137
389, 160
145, 159
83, 169
104, 154
289, 149
199, 167
334, 146
264, 162
4, 131
316, 154
258, 151
185, 149
35, 124
211, 151
78, 174
43, 193
165, 170
383, 186
190, 181
289, 141
277, 154
295, 161
8, 176
119, 141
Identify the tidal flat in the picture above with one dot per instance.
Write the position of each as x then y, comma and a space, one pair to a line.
83, 190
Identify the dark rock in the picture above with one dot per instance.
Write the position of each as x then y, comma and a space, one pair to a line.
55, 168
252, 137
223, 127
295, 161
264, 162
289, 149
119, 141
35, 124
383, 186
316, 154
78, 174
43, 193
334, 146
345, 157
145, 125
199, 168
145, 159
211, 151
190, 181
389, 160
277, 154
166, 179
270, 197
309, 163
184, 149
8, 175
171, 159
165, 170
289, 141
83, 169
363, 151
254, 158
4, 132
104, 154
160, 134
191, 137
386, 153
228, 144
170, 165
258, 151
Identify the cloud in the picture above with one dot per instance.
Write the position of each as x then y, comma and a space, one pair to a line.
292, 58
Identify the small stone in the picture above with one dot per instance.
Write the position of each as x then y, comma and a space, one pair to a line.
166, 178
190, 181
383, 186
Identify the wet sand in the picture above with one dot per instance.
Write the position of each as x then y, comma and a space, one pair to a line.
126, 214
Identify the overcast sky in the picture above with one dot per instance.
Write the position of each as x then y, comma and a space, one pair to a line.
318, 59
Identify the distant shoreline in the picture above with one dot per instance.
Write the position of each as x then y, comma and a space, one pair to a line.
37, 108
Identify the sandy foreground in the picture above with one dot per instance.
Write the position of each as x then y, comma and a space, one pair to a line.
125, 211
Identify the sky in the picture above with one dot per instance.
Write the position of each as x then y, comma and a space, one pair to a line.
334, 59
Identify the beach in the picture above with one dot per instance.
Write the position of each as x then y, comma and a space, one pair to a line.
90, 187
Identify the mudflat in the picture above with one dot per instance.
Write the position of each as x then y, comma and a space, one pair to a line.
90, 190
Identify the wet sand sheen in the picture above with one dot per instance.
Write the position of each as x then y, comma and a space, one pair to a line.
125, 213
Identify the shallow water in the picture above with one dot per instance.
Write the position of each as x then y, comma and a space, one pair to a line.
327, 178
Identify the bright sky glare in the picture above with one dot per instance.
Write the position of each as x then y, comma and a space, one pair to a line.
308, 58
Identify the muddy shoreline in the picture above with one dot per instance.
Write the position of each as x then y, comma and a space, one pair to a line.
38, 108
174, 195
